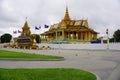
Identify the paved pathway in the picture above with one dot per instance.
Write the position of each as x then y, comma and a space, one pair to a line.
104, 63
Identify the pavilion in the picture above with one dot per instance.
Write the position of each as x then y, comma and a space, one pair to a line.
69, 31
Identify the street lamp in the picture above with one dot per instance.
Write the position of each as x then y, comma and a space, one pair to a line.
107, 38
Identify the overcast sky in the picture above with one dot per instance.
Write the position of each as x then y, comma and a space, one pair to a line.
101, 14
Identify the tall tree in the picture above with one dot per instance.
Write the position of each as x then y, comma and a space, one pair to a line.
111, 39
36, 37
5, 38
116, 36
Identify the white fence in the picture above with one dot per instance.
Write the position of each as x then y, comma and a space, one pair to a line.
112, 46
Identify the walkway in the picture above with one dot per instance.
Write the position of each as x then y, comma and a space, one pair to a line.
104, 63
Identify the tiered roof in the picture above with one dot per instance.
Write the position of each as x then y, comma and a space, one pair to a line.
70, 25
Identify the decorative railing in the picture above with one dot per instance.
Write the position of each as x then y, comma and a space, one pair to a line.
111, 46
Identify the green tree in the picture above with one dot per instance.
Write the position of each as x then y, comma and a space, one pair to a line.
36, 37
5, 38
111, 39
116, 36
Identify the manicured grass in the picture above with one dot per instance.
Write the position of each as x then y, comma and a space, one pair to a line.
11, 54
45, 74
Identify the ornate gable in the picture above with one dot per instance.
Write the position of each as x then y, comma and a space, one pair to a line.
25, 30
85, 23
63, 25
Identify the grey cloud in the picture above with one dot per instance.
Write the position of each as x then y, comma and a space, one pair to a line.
100, 13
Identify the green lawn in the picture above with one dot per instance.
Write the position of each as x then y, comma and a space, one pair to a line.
45, 74
11, 54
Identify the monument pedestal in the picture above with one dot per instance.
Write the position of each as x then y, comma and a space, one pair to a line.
25, 41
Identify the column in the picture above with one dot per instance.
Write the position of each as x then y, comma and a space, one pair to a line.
81, 36
56, 35
50, 36
72, 35
63, 35
68, 35
85, 35
77, 35
44, 36
94, 36
90, 36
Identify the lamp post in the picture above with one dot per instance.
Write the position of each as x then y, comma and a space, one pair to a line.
107, 38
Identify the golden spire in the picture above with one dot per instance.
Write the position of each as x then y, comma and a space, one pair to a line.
26, 26
26, 18
66, 17
25, 29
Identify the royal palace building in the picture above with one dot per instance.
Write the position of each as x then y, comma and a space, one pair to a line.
69, 31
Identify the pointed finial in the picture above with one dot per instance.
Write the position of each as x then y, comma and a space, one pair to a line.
66, 2
26, 19
66, 8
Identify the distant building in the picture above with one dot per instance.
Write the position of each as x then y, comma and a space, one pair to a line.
69, 31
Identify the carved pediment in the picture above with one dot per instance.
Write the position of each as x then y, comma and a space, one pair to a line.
85, 23
25, 30
63, 24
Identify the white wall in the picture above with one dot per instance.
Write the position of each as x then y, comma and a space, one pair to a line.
112, 46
